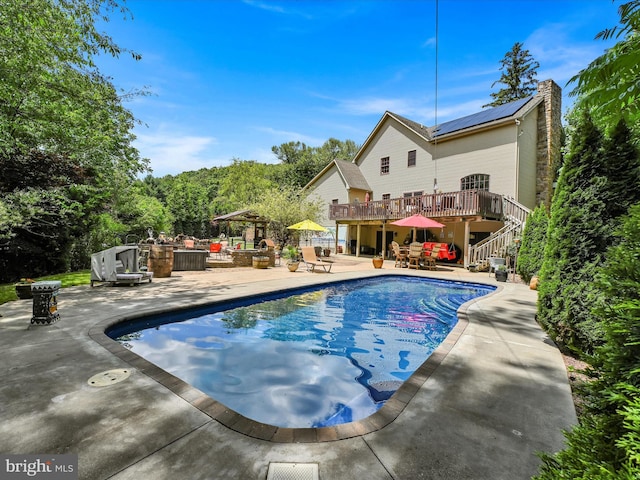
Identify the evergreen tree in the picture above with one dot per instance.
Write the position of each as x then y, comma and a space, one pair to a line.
576, 242
621, 164
606, 443
534, 239
518, 75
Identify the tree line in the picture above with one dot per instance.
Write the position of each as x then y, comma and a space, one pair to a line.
70, 174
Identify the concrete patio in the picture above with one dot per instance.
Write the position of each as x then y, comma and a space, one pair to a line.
492, 398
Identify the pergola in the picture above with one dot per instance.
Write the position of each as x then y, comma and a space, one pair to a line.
246, 216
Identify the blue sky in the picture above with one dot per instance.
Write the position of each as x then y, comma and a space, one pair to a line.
231, 78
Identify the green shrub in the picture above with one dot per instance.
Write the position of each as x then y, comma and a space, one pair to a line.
606, 443
534, 238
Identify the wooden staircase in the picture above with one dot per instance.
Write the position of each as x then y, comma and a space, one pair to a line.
496, 245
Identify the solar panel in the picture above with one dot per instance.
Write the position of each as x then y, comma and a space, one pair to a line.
479, 118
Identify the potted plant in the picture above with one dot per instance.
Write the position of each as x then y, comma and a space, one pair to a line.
501, 273
378, 261
23, 288
291, 254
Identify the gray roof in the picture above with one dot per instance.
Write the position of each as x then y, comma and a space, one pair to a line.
352, 175
486, 116
418, 127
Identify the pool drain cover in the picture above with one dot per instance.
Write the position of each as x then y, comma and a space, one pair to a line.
293, 471
109, 377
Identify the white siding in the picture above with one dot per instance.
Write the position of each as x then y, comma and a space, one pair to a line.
527, 156
492, 152
328, 187
395, 141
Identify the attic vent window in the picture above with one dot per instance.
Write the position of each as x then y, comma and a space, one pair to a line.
384, 166
411, 158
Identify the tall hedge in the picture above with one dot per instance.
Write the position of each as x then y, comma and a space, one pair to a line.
598, 182
534, 239
576, 243
606, 443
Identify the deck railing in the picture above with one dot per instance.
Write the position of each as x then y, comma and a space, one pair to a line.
438, 205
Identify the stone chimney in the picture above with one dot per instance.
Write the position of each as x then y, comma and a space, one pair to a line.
549, 139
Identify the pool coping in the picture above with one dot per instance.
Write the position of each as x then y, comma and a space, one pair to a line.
237, 422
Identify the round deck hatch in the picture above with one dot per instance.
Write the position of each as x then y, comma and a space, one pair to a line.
109, 377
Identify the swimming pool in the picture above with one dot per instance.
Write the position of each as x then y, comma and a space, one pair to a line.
310, 358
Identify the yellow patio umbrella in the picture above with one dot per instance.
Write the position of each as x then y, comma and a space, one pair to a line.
307, 226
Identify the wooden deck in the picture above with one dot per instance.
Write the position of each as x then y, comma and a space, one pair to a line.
467, 203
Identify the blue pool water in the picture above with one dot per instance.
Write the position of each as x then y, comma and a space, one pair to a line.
311, 358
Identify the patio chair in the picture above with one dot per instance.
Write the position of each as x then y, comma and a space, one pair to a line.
430, 260
215, 249
415, 254
401, 257
310, 260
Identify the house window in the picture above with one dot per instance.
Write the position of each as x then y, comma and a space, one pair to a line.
411, 158
413, 194
477, 181
334, 201
386, 196
384, 166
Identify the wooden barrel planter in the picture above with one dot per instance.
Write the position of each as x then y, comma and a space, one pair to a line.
23, 290
260, 262
160, 260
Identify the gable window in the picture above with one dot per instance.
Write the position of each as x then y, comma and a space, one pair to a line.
477, 181
411, 158
384, 165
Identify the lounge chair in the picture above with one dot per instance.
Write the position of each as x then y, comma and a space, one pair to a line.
118, 266
415, 254
401, 257
310, 260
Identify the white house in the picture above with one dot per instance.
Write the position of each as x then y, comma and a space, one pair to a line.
479, 175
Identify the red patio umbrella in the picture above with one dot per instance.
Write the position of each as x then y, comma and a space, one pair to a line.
417, 221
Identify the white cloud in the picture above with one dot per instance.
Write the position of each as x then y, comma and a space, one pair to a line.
266, 6
376, 105
289, 136
263, 155
172, 153
429, 42
559, 57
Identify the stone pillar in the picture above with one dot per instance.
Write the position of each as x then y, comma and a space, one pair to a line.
549, 138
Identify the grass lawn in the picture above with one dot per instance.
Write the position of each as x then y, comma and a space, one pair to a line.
8, 291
